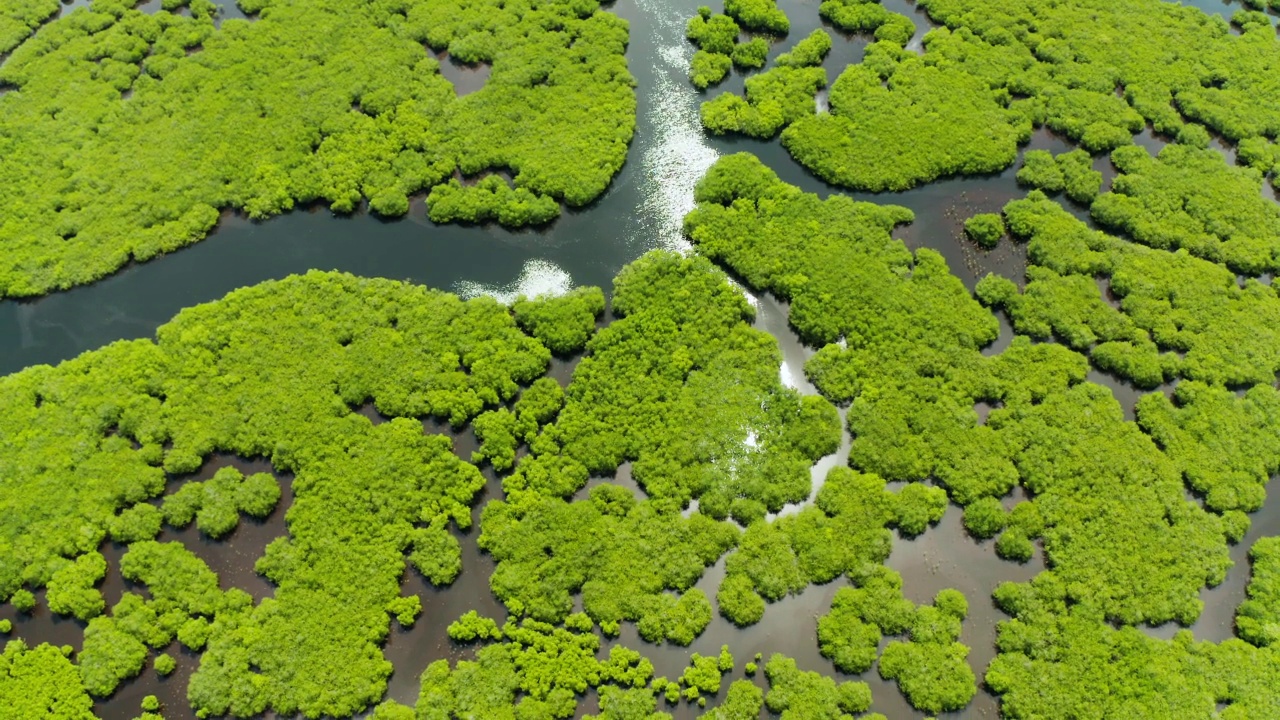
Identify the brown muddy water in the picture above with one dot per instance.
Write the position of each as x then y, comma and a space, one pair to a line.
641, 210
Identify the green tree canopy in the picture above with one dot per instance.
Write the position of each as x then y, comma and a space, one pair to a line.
142, 94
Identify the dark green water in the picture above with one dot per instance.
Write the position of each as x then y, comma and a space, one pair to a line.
641, 210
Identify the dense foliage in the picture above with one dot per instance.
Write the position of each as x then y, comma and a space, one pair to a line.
744, 700
71, 589
1057, 656
623, 555
272, 371
850, 634
683, 388
1258, 620
42, 682
882, 315
562, 323
995, 71
707, 69
371, 499
165, 664
878, 135
704, 674
761, 15
1074, 56
844, 531
1190, 198
679, 390
909, 362
216, 504
1071, 171
489, 199
808, 52
986, 229
719, 45
501, 432
19, 18
931, 669
539, 671
774, 99
1225, 445
868, 16
712, 33
1178, 315
1171, 312
796, 694
182, 589
751, 55
718, 49
138, 95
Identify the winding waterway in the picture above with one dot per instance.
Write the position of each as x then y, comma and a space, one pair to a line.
641, 210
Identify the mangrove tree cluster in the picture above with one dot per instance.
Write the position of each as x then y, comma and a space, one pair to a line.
1188, 197
774, 99
720, 46
682, 388
681, 392
1071, 172
1173, 314
1096, 72
843, 532
19, 18
1129, 520
274, 371
679, 386
901, 341
536, 670
1167, 309
42, 682
1259, 618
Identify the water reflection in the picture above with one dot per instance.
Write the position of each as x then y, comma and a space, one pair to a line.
676, 154
538, 278
772, 317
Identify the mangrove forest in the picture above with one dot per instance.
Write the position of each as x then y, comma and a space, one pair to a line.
947, 385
